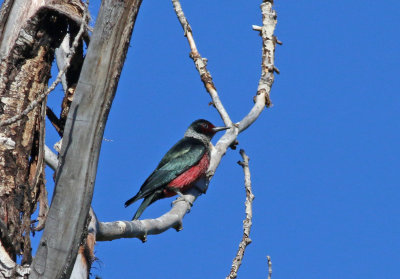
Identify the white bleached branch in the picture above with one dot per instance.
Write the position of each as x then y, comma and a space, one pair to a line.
237, 261
201, 65
50, 158
107, 231
269, 267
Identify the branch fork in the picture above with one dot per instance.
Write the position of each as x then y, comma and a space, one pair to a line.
173, 219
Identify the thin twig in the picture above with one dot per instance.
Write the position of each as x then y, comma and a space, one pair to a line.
40, 98
269, 267
201, 64
54, 121
237, 261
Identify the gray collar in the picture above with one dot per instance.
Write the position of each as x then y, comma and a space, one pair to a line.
192, 134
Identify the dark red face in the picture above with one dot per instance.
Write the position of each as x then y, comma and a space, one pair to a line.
204, 127
207, 128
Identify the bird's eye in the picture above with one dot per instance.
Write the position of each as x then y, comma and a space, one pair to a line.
205, 126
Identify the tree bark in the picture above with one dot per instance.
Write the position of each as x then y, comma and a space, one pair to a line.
30, 31
83, 133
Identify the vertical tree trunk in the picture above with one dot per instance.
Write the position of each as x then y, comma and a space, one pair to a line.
65, 228
30, 31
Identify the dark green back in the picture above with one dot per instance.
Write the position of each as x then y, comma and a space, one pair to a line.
184, 154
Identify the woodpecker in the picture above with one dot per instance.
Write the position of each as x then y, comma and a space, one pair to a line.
181, 166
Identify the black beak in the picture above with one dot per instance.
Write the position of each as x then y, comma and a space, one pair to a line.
217, 129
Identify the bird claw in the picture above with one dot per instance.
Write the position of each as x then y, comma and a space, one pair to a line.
181, 198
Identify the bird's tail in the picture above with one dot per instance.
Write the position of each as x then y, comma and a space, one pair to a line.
133, 199
146, 202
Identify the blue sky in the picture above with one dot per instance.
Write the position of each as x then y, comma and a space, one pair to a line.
324, 158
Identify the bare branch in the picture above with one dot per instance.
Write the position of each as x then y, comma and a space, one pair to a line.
267, 67
50, 158
256, 27
141, 228
71, 77
54, 121
61, 56
40, 98
237, 261
269, 267
201, 64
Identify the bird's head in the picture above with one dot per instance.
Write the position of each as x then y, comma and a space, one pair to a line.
203, 129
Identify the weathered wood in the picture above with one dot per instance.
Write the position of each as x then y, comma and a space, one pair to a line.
8, 267
83, 135
71, 77
4, 13
86, 257
30, 32
15, 13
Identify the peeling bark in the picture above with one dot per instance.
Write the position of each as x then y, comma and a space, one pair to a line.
8, 267
24, 74
30, 31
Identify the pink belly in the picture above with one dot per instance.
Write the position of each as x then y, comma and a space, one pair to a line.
185, 180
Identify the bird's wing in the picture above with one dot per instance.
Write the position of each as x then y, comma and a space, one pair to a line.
183, 155
182, 147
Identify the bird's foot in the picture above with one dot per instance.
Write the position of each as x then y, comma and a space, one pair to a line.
181, 197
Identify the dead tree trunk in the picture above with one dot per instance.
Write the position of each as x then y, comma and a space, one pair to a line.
83, 134
30, 31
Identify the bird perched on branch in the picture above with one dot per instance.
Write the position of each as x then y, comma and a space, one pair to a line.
184, 163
